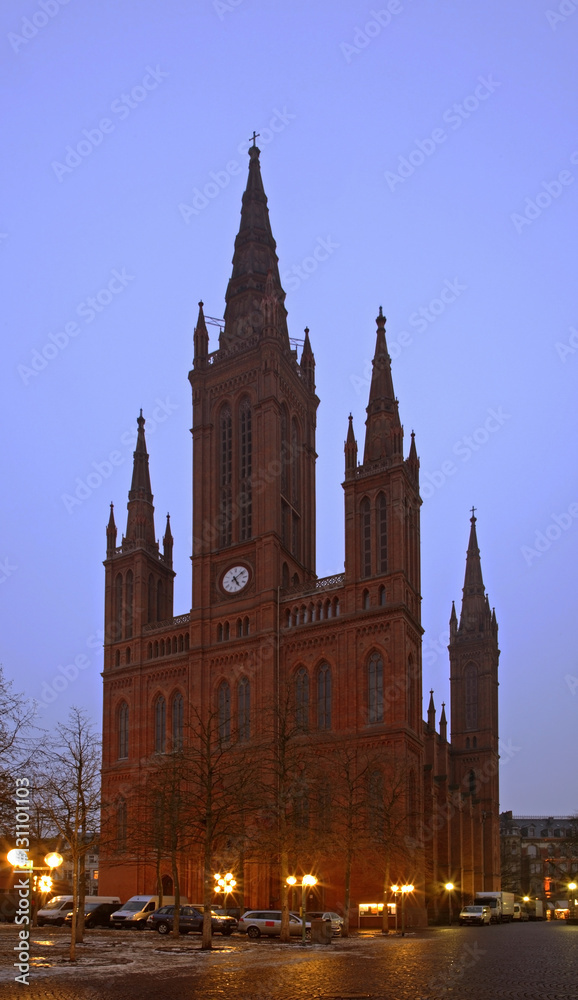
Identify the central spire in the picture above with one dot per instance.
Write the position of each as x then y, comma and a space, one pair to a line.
383, 435
254, 259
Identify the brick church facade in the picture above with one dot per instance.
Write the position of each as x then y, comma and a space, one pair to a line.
346, 649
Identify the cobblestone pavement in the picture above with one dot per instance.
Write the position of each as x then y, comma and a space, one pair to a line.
532, 961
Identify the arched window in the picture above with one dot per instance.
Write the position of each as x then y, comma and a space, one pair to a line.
160, 725
156, 648
117, 658
162, 647
472, 785
245, 469
471, 696
178, 721
129, 589
181, 644
127, 655
239, 627
123, 731
375, 688
150, 651
226, 631
475, 742
246, 625
186, 640
324, 697
467, 742
382, 533
302, 698
151, 598
285, 576
219, 632
336, 607
244, 697
121, 825
382, 597
118, 606
160, 601
225, 475
365, 538
365, 600
224, 711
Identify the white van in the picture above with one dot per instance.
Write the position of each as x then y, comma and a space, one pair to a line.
135, 911
54, 911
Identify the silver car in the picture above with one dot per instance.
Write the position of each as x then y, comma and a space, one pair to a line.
255, 923
336, 920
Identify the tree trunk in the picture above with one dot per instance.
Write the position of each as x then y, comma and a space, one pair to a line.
385, 911
159, 880
74, 906
177, 892
347, 896
284, 866
207, 938
81, 897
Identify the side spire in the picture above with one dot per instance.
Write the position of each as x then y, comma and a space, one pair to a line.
475, 613
307, 363
168, 543
111, 534
201, 340
350, 449
140, 526
384, 434
254, 258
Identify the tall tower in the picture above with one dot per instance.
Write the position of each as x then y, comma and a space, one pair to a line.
474, 658
254, 416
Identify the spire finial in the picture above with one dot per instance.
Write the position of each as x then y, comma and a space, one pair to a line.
473, 517
254, 137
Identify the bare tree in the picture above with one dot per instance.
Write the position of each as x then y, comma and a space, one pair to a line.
68, 789
18, 743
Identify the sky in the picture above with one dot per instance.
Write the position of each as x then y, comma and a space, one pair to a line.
418, 156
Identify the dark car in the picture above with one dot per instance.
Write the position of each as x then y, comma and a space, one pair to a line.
95, 914
190, 919
9, 902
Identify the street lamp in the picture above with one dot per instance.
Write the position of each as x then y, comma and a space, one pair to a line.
404, 890
306, 881
449, 889
225, 884
395, 889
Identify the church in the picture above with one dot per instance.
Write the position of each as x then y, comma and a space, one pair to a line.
263, 631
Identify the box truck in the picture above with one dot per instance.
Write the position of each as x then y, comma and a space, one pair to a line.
501, 905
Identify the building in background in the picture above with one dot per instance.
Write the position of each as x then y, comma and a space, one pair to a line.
264, 635
539, 856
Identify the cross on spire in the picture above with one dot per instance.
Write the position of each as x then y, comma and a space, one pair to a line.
254, 137
474, 509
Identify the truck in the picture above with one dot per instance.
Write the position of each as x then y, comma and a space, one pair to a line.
535, 908
501, 905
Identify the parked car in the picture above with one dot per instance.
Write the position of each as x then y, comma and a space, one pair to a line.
9, 902
254, 923
55, 910
190, 919
520, 912
135, 911
336, 920
477, 914
95, 914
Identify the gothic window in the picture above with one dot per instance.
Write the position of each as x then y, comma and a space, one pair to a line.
245, 464
178, 721
224, 711
160, 601
225, 475
285, 516
375, 688
471, 696
382, 597
324, 697
121, 825
472, 782
151, 599
160, 724
226, 631
365, 538
382, 533
219, 632
475, 742
246, 626
467, 742
284, 453
411, 688
239, 627
365, 600
285, 576
336, 607
123, 731
117, 658
302, 698
118, 606
129, 589
244, 697
127, 655
295, 484
150, 651
295, 525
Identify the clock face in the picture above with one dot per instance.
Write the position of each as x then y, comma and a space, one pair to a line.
235, 579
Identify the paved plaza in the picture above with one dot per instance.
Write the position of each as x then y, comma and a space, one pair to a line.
535, 960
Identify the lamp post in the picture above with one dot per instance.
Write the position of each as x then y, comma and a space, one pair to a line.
18, 858
225, 884
404, 890
395, 890
449, 889
572, 904
306, 882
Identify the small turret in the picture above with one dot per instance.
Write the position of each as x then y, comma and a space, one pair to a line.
443, 724
111, 534
431, 714
308, 363
201, 340
350, 449
168, 544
